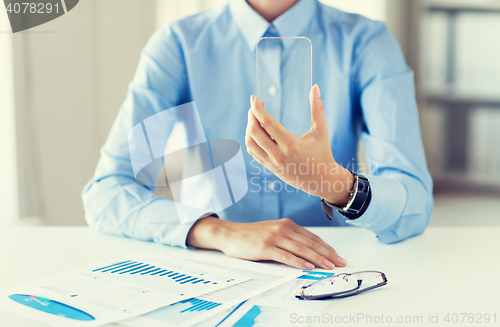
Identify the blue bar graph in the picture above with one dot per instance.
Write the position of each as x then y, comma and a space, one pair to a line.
198, 305
315, 275
182, 311
132, 268
249, 318
121, 268
125, 265
149, 272
113, 265
158, 272
138, 271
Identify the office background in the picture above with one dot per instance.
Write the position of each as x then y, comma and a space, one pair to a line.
62, 83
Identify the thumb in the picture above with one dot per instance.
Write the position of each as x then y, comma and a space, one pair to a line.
318, 119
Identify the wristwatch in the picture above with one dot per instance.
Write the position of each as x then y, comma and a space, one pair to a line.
359, 199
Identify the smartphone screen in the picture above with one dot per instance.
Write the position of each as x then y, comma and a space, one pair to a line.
284, 80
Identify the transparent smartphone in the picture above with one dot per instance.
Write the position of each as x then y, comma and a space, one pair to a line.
284, 80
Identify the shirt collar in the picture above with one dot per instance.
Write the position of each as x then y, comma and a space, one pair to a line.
291, 23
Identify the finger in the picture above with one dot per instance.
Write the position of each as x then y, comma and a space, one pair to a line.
303, 251
327, 255
318, 119
334, 257
289, 259
255, 150
271, 125
259, 134
310, 235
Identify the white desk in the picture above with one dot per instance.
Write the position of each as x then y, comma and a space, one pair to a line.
445, 270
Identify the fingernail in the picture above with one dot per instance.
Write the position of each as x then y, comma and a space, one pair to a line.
329, 264
252, 99
318, 93
342, 261
309, 265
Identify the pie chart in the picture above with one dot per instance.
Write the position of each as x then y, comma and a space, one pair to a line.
51, 306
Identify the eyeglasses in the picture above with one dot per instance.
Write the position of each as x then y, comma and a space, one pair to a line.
342, 285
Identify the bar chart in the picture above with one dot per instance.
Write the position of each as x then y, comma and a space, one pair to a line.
121, 288
131, 267
197, 305
315, 275
182, 311
252, 316
261, 312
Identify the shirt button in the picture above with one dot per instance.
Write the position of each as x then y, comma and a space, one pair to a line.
272, 91
270, 186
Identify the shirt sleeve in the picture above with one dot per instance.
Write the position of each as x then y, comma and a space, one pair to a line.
402, 202
114, 201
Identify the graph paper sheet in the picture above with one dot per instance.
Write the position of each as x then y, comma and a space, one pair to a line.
261, 312
278, 306
115, 290
199, 309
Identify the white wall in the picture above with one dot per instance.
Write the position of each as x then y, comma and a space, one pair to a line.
168, 10
71, 77
8, 161
373, 9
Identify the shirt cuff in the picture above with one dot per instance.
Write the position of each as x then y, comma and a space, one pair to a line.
386, 205
161, 220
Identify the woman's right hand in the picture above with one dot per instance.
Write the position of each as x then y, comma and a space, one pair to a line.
279, 240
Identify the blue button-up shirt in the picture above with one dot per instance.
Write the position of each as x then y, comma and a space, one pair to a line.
368, 93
